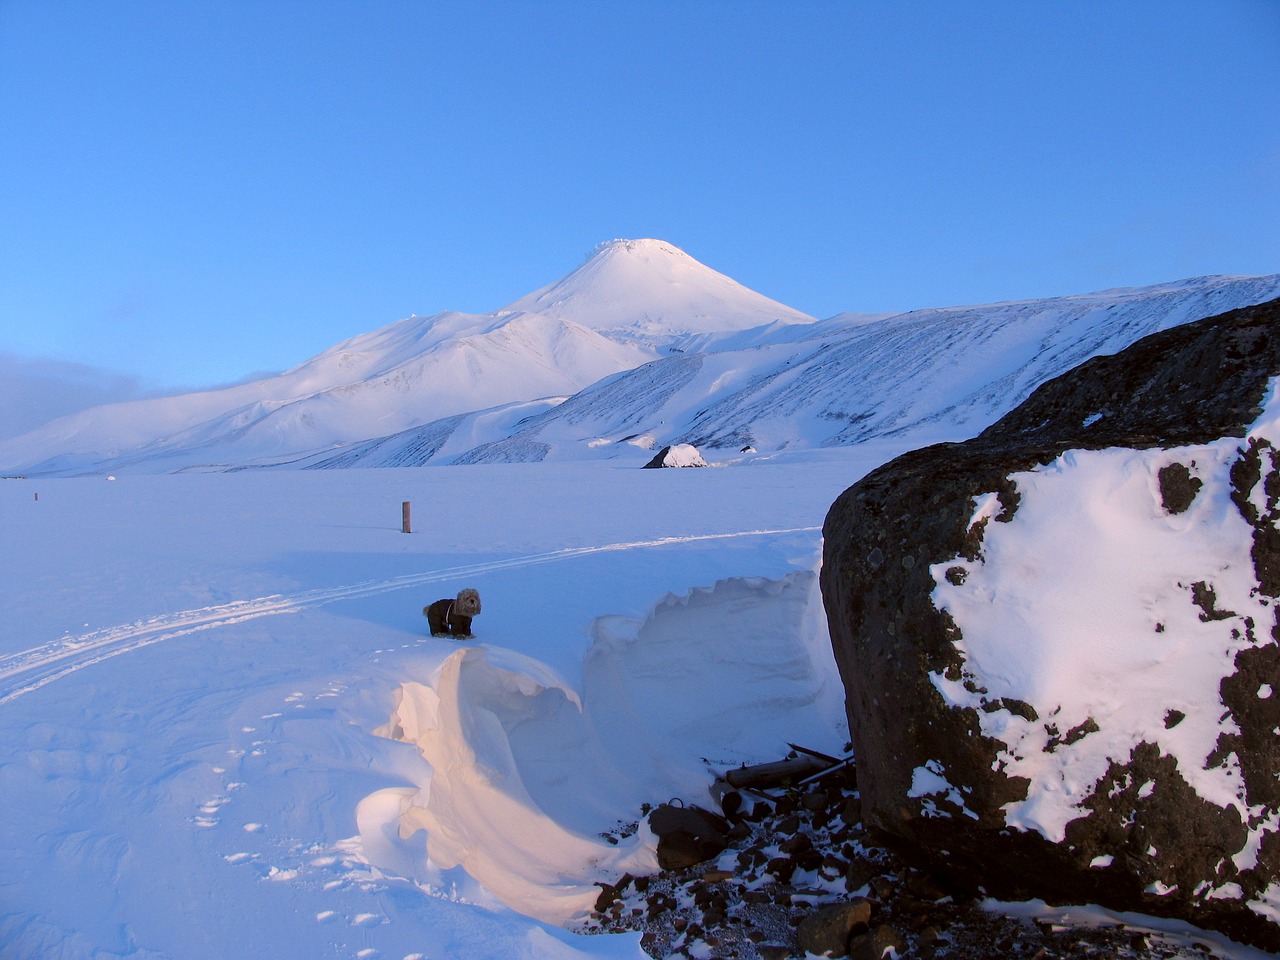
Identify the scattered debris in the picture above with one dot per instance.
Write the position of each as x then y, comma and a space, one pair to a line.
790, 871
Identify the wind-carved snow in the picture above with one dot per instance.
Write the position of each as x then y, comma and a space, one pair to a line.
1085, 606
520, 769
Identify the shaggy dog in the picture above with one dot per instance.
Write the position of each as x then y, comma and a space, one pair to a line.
452, 618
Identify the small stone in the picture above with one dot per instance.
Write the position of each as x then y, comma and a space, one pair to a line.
858, 874
925, 887
781, 868
797, 844
759, 811
833, 866
852, 811
827, 930
809, 859
874, 945
813, 802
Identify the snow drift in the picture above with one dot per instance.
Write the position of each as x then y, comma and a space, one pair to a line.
523, 777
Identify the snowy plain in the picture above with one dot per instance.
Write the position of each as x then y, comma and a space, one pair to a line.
224, 730
210, 686
195, 669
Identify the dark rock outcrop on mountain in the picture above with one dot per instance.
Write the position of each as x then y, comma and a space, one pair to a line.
1192, 384
677, 456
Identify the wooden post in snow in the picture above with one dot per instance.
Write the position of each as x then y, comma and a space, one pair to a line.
405, 526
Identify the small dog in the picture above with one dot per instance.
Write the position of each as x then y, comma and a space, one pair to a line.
452, 618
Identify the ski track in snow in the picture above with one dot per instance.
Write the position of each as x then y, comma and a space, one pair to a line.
29, 670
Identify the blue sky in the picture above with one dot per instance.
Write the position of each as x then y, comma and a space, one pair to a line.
192, 192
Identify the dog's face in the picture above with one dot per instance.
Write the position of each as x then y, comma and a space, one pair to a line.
468, 602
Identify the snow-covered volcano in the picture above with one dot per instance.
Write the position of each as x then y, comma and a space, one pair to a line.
912, 379
630, 302
648, 291
640, 347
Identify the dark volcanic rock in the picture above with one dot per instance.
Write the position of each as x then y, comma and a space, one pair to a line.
687, 835
828, 930
1188, 386
679, 455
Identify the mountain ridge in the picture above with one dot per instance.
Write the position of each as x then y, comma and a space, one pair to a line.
840, 385
640, 346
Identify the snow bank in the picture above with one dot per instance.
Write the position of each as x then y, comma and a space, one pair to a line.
523, 776
1090, 605
479, 812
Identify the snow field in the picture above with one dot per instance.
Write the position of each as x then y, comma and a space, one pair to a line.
216, 782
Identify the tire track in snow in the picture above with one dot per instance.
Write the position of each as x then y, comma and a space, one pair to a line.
28, 670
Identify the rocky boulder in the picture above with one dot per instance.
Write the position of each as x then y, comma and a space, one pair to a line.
687, 835
677, 455
1059, 640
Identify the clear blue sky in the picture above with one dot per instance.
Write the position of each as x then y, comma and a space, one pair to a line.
191, 192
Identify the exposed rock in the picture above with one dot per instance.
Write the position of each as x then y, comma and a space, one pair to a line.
687, 835
828, 929
1178, 488
934, 771
754, 914
876, 944
677, 455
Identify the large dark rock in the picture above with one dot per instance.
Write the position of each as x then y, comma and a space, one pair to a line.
1142, 838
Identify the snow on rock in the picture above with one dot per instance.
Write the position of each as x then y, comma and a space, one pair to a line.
523, 777
1148, 640
677, 455
1057, 638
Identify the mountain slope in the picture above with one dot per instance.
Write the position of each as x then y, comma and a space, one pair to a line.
640, 347
627, 303
921, 376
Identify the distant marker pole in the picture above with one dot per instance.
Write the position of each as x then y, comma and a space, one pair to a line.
405, 526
